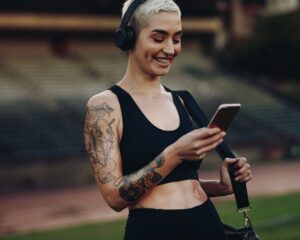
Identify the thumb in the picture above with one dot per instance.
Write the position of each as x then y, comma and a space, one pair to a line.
229, 161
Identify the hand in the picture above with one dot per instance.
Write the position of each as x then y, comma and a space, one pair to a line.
243, 171
196, 144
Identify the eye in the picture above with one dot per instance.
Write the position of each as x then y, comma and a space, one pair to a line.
158, 39
177, 40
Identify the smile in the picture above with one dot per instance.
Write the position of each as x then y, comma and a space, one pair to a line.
164, 61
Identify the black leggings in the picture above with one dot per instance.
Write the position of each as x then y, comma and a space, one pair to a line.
200, 223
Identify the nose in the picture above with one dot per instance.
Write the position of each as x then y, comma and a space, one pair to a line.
169, 47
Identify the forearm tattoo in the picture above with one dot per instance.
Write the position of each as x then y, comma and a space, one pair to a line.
133, 186
100, 141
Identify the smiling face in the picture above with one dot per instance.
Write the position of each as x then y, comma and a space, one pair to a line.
157, 45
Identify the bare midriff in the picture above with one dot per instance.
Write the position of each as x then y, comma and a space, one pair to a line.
175, 195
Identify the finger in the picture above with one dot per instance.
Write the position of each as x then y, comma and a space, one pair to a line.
210, 140
247, 179
193, 156
229, 161
243, 172
240, 162
244, 176
209, 147
204, 142
243, 169
206, 132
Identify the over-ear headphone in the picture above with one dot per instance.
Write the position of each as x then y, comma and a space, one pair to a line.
125, 35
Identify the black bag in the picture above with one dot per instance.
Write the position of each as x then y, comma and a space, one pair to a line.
239, 234
245, 233
239, 189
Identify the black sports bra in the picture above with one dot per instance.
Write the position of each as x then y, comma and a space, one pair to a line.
142, 142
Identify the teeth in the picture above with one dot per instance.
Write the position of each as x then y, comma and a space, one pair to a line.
162, 60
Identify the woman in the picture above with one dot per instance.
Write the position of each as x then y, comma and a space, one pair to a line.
143, 149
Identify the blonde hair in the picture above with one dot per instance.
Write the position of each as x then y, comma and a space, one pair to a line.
146, 9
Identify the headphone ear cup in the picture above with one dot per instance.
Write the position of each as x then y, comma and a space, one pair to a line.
131, 37
120, 38
125, 38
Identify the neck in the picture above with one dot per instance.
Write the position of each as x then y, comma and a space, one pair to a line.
139, 86
137, 82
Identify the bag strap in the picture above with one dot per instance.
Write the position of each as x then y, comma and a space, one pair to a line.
239, 188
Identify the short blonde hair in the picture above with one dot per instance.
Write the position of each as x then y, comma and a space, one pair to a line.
145, 10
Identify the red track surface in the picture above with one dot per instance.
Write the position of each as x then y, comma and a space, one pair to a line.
25, 212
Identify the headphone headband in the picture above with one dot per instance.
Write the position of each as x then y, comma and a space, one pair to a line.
129, 12
125, 35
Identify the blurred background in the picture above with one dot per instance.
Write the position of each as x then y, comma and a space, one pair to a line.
54, 55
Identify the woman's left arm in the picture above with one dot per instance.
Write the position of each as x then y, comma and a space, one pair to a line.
223, 187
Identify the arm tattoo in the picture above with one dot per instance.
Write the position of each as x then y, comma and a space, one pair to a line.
100, 140
135, 185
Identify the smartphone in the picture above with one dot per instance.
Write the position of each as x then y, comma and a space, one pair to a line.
224, 116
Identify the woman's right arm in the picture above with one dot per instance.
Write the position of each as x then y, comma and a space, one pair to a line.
102, 145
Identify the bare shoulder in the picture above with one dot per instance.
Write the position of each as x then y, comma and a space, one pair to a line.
106, 101
104, 98
105, 107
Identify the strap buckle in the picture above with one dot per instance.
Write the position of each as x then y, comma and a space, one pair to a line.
247, 222
244, 209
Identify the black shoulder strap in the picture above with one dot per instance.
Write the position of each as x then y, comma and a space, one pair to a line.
239, 189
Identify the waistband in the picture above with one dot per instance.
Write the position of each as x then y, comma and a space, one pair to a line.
185, 211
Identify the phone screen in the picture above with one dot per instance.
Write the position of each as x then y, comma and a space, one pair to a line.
224, 116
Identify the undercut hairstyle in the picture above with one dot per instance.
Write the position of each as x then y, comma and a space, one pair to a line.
144, 11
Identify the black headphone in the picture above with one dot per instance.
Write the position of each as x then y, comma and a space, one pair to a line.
125, 35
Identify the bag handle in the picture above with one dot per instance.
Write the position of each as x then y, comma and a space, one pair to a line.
239, 188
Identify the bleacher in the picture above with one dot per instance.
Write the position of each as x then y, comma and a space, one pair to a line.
270, 116
43, 97
42, 102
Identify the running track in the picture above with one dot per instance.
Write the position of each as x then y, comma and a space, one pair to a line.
25, 212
